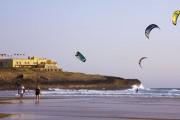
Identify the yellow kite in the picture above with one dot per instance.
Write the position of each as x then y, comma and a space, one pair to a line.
175, 17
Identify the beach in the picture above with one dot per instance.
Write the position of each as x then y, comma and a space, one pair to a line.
92, 108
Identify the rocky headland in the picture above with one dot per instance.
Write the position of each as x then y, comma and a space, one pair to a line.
11, 78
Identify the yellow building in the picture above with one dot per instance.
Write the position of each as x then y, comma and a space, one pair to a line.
30, 62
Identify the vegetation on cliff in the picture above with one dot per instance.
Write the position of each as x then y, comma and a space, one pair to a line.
3, 115
11, 78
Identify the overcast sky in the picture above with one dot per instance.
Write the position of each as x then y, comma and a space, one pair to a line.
110, 34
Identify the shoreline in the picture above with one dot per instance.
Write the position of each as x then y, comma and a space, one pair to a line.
93, 108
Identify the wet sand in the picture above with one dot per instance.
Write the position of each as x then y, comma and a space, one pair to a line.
92, 108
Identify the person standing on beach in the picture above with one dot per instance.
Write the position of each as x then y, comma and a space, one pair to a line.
21, 91
137, 90
37, 92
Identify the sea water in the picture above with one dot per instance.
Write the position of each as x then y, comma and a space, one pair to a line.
149, 92
143, 92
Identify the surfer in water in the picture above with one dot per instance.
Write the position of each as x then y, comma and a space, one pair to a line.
137, 90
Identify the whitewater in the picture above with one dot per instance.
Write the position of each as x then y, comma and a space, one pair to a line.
143, 92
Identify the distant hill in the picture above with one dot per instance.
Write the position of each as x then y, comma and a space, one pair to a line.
11, 78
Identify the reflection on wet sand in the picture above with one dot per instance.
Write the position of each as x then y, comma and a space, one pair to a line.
94, 108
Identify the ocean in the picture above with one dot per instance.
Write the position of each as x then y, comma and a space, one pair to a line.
143, 92
66, 104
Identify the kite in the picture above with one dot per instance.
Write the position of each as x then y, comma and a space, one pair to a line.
149, 28
175, 16
80, 56
141, 61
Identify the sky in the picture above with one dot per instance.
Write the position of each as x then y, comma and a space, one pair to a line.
109, 33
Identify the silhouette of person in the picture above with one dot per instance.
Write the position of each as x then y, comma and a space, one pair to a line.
21, 91
37, 92
137, 90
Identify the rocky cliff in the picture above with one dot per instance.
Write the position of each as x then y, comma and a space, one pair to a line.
11, 78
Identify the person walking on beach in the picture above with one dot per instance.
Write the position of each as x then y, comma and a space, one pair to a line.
37, 92
21, 91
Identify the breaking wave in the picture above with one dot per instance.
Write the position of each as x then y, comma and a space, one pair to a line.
142, 92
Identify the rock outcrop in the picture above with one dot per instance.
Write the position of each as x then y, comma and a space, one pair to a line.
11, 78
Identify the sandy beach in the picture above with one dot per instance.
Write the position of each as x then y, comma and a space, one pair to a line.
92, 108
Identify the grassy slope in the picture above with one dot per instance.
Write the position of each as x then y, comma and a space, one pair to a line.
10, 78
2, 115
